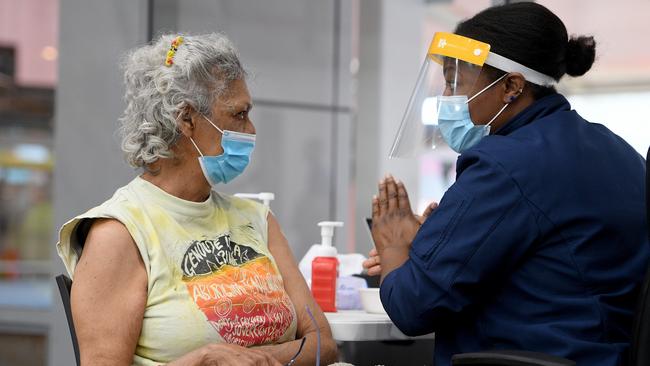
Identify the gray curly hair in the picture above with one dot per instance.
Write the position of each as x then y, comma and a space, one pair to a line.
203, 68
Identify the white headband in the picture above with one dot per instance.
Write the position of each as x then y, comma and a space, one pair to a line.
507, 65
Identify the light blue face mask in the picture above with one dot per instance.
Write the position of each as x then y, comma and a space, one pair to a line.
455, 122
237, 149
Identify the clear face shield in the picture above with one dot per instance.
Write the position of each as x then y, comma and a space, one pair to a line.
448, 75
437, 114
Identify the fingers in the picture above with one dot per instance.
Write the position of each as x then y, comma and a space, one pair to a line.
390, 197
262, 358
375, 209
371, 262
273, 361
404, 204
373, 259
374, 271
383, 197
427, 211
251, 356
232, 354
265, 359
391, 193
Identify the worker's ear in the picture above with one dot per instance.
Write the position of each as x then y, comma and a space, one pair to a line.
513, 87
186, 120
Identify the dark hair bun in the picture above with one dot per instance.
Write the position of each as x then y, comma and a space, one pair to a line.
580, 55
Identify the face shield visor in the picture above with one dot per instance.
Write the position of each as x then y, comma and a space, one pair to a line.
445, 85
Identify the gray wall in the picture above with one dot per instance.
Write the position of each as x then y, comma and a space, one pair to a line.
88, 102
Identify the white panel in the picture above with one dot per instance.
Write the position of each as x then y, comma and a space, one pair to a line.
626, 114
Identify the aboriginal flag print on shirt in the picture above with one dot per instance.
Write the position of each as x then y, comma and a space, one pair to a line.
238, 290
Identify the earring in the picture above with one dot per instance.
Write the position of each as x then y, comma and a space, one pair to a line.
513, 97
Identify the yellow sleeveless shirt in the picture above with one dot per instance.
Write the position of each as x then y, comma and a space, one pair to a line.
211, 277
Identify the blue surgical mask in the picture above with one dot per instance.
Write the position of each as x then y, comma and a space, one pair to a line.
237, 149
455, 122
456, 125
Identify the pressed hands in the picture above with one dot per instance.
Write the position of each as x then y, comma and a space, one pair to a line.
394, 226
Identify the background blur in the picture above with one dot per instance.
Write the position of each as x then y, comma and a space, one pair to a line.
330, 80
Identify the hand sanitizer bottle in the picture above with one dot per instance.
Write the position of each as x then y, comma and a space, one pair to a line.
324, 268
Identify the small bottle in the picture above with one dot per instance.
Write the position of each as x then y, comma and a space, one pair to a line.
324, 268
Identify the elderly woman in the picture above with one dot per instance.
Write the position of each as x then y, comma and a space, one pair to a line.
168, 270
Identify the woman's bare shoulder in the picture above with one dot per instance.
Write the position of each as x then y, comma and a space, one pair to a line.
109, 247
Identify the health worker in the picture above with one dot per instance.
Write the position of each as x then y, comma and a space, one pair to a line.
541, 243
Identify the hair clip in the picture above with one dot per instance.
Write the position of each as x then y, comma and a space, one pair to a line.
172, 50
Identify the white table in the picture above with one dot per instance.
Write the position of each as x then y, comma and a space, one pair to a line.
357, 325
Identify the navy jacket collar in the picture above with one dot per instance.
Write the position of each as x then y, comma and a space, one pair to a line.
541, 108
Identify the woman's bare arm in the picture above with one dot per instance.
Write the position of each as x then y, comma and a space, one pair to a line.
296, 287
109, 293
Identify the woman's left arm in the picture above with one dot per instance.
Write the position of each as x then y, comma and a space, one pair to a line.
296, 287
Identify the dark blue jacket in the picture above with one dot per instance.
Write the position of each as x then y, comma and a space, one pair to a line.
541, 244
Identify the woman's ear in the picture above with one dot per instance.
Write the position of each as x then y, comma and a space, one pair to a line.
514, 86
185, 121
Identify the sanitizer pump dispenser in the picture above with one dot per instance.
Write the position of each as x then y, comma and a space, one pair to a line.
324, 268
265, 197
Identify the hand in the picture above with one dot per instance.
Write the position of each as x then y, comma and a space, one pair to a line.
373, 263
393, 222
232, 354
224, 354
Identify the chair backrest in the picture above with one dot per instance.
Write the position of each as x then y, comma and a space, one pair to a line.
65, 287
639, 350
